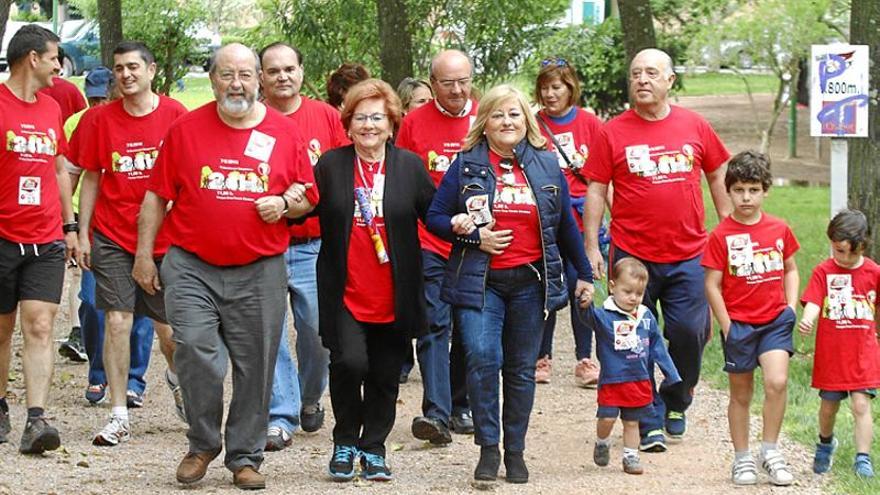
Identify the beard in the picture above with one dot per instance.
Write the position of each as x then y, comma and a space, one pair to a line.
236, 107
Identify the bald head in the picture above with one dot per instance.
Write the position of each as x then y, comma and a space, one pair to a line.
233, 52
656, 58
451, 72
450, 60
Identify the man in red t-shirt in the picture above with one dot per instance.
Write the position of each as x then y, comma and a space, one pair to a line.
68, 96
655, 154
233, 169
297, 391
34, 245
117, 148
435, 131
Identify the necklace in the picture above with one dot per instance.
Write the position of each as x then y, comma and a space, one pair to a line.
378, 171
507, 178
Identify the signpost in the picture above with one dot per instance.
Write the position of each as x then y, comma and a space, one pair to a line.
839, 106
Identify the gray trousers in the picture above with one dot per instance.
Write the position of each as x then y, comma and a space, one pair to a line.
220, 314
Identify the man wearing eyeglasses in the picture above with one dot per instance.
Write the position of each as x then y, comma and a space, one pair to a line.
297, 391
655, 154
435, 133
233, 169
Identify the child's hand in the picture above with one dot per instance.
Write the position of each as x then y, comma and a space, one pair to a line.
805, 327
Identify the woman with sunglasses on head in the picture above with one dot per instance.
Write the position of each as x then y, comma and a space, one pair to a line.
570, 131
370, 295
504, 205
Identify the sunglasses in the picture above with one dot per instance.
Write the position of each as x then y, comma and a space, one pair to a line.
559, 62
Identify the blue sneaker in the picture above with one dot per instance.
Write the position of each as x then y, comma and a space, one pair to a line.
824, 457
342, 463
863, 466
654, 441
373, 467
676, 424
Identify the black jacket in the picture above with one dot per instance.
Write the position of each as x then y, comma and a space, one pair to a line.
408, 194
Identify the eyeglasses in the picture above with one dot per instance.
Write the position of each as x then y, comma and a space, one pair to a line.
229, 76
559, 62
362, 118
450, 83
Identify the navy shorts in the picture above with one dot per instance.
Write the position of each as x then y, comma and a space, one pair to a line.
839, 395
745, 342
625, 413
30, 272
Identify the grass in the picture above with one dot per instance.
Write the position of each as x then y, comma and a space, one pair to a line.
806, 211
715, 83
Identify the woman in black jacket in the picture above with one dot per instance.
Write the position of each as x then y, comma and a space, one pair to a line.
370, 294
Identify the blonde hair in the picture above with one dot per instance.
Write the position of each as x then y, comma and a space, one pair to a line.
490, 102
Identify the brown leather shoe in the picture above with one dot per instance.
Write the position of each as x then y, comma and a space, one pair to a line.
194, 466
248, 478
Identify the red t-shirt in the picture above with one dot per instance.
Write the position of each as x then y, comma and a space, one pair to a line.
576, 138
626, 394
68, 96
655, 166
751, 260
847, 355
437, 138
322, 130
30, 202
122, 149
369, 288
214, 173
514, 208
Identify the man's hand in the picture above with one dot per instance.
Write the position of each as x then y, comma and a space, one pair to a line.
493, 242
84, 256
583, 292
597, 262
146, 274
270, 208
297, 192
462, 224
71, 246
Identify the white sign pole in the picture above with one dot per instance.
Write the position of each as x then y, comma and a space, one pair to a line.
839, 177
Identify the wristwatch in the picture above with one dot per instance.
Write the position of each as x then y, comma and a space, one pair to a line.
70, 227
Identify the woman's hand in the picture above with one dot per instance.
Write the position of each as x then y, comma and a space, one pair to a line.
583, 292
494, 242
462, 224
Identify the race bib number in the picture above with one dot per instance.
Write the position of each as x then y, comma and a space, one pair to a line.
739, 254
378, 190
29, 191
638, 160
840, 296
478, 209
625, 336
259, 146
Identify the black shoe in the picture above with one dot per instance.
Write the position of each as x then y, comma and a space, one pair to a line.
72, 348
311, 418
462, 423
38, 437
487, 468
5, 427
431, 429
515, 467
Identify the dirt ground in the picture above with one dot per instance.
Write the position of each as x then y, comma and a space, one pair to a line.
560, 439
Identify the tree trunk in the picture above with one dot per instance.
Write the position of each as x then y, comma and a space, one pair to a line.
395, 41
4, 16
110, 27
864, 153
638, 26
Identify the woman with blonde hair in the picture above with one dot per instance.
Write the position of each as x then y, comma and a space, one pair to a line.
504, 205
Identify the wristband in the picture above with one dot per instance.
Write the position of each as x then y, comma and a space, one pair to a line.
286, 205
70, 227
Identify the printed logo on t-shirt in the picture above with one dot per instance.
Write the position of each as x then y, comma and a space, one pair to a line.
842, 304
231, 178
438, 162
314, 151
134, 160
659, 164
746, 259
508, 197
578, 156
32, 143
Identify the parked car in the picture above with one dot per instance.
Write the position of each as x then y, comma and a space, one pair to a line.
12, 27
81, 51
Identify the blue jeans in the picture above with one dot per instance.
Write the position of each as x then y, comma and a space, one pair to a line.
678, 287
301, 383
504, 336
583, 334
92, 323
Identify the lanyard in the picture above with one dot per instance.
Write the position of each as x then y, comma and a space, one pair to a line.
360, 165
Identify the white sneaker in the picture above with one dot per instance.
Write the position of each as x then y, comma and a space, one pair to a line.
116, 431
776, 468
744, 472
177, 393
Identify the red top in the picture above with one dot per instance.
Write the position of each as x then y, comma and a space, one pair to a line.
655, 165
437, 138
322, 130
751, 259
122, 149
514, 208
214, 173
576, 134
68, 96
30, 204
369, 288
626, 394
847, 354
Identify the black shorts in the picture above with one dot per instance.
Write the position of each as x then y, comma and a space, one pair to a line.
745, 342
839, 395
115, 288
30, 272
625, 413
